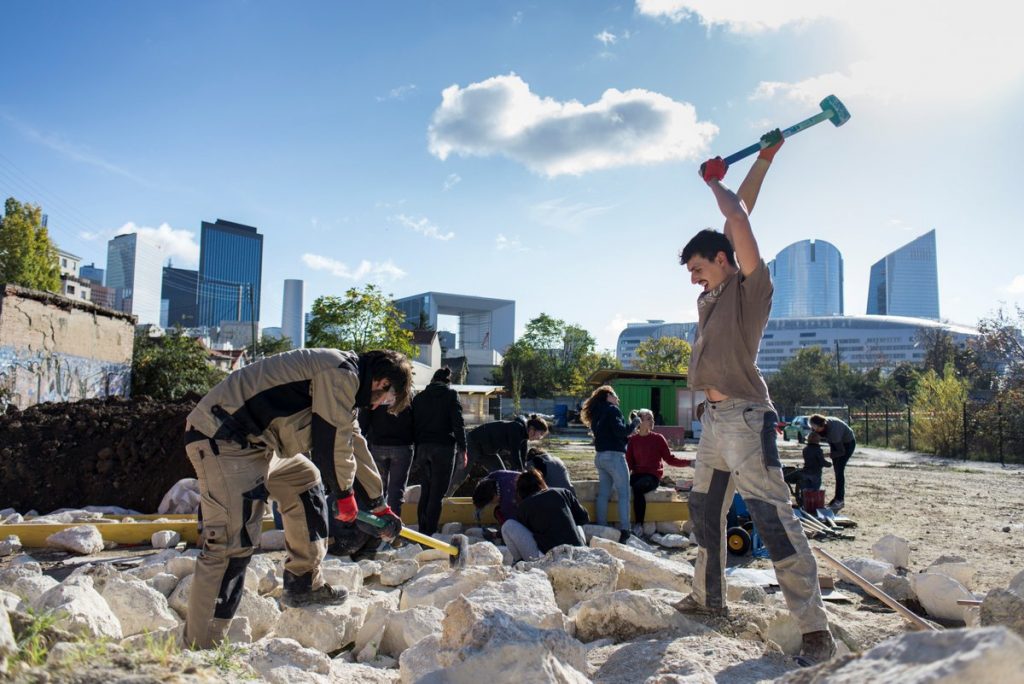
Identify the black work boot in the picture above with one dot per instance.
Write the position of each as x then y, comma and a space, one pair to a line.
299, 591
816, 647
690, 605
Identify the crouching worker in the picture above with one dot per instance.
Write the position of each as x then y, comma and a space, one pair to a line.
548, 517
808, 478
245, 439
498, 489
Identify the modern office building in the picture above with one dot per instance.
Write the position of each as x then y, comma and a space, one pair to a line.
181, 292
808, 278
905, 282
291, 314
90, 272
134, 273
230, 273
862, 342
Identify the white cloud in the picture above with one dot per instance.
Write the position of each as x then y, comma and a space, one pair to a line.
451, 181
619, 323
563, 215
423, 226
502, 243
374, 270
606, 38
1017, 286
398, 93
909, 52
501, 116
177, 244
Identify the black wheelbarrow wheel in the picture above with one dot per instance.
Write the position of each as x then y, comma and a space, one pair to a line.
738, 541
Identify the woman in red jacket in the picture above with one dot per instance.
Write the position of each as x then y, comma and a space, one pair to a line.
645, 453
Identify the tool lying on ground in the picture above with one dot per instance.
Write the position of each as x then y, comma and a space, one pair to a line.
916, 621
458, 550
831, 110
819, 526
836, 520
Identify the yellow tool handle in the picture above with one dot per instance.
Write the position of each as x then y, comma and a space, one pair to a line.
413, 535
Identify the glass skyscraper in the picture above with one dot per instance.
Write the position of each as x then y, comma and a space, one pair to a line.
905, 282
133, 272
180, 290
230, 273
808, 278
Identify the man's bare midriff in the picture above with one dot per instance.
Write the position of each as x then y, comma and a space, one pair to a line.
714, 395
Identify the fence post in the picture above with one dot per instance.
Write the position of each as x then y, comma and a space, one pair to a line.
886, 427
965, 430
910, 432
999, 423
867, 425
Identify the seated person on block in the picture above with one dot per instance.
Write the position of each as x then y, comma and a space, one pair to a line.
646, 453
808, 478
547, 517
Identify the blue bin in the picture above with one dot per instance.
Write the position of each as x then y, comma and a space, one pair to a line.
562, 415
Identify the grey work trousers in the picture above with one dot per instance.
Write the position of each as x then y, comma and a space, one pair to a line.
737, 451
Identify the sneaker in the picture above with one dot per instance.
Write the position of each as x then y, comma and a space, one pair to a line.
816, 647
623, 536
836, 505
688, 604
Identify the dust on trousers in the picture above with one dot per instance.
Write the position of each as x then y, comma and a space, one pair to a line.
234, 483
737, 451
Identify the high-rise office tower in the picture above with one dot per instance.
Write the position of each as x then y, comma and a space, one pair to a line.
181, 292
90, 272
291, 314
230, 272
133, 272
905, 282
808, 278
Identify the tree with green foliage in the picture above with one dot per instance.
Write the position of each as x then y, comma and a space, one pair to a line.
171, 366
552, 357
938, 411
268, 346
663, 355
27, 256
1002, 341
360, 321
803, 380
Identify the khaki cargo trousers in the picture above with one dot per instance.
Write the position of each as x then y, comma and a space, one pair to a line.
234, 483
738, 452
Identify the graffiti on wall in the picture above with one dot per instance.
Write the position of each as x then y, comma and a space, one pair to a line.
28, 378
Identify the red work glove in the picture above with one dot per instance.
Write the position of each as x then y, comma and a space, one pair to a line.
347, 508
713, 169
394, 523
773, 141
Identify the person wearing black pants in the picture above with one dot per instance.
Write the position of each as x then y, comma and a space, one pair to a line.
841, 442
440, 434
646, 454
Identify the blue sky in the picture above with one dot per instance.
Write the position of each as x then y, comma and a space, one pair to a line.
544, 152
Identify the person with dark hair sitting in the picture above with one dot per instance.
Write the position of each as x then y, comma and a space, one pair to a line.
646, 454
808, 478
547, 517
551, 468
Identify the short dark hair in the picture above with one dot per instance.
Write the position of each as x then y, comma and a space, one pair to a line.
535, 458
537, 423
385, 363
443, 374
529, 483
818, 420
486, 490
707, 243
813, 438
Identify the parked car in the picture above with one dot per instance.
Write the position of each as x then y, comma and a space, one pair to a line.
797, 429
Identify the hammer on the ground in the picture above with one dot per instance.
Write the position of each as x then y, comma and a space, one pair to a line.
458, 550
831, 110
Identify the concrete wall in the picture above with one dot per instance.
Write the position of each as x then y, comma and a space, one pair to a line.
53, 348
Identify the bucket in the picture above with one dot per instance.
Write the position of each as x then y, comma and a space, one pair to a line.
813, 499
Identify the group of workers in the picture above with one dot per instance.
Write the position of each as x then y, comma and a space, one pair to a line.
248, 439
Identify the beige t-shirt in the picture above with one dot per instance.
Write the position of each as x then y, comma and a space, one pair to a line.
731, 321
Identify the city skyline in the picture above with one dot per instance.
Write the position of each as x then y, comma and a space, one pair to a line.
556, 167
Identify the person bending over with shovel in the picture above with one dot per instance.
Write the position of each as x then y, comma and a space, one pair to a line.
245, 440
737, 449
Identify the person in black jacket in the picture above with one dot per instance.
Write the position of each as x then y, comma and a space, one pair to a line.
809, 477
546, 518
611, 434
440, 435
390, 438
500, 445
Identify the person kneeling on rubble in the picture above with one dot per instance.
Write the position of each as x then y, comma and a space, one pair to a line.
245, 440
547, 517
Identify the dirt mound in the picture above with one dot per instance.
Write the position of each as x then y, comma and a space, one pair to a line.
104, 452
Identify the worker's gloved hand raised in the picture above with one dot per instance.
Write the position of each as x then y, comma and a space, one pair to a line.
713, 169
392, 524
346, 506
772, 142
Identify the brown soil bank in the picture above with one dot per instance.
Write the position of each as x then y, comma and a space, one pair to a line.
104, 452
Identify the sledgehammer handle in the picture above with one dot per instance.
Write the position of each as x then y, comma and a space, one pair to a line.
792, 130
411, 535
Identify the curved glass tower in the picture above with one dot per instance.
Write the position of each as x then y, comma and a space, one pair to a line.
905, 282
808, 277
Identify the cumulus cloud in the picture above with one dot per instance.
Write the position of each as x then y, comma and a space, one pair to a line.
503, 243
373, 270
398, 93
564, 215
619, 323
451, 181
502, 116
898, 52
606, 38
423, 226
177, 244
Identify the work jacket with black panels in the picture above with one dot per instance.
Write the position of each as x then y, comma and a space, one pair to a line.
298, 402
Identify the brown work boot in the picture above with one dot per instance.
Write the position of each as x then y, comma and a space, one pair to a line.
298, 592
689, 604
816, 647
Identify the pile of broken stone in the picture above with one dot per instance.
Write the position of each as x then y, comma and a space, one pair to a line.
597, 613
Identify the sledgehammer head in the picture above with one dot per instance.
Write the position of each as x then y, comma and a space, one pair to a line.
840, 115
459, 560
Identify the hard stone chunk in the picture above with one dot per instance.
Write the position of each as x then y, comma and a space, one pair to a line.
370, 568
578, 572
10, 601
83, 539
165, 539
1017, 583
484, 553
10, 546
31, 587
873, 571
938, 595
182, 565
669, 527
261, 575
330, 628
626, 614
138, 607
379, 671
398, 572
269, 654
240, 631
178, 600
892, 549
451, 528
262, 612
418, 662
438, 589
898, 587
523, 596
955, 567
644, 570
406, 628
602, 531
82, 610
1003, 607
339, 573
671, 541
8, 645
